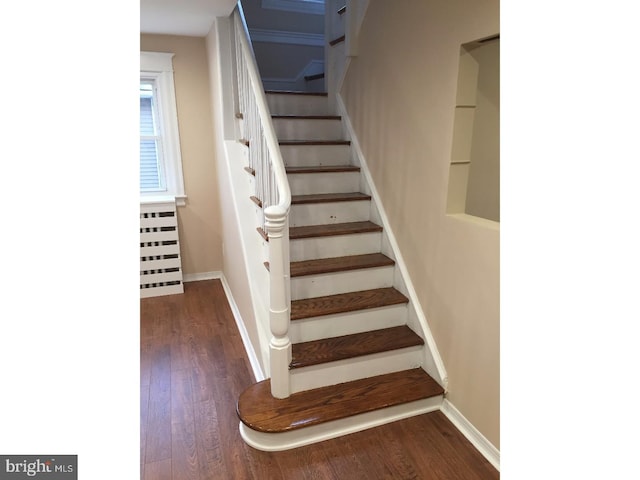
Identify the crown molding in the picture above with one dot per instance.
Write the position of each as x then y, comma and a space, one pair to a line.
280, 36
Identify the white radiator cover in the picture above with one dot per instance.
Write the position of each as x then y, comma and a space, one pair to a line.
160, 262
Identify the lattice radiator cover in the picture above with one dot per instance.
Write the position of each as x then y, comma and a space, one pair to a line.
160, 262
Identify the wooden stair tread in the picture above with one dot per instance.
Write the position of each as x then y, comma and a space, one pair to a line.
326, 230
329, 197
323, 169
337, 40
339, 264
314, 142
306, 117
333, 349
317, 76
346, 302
258, 410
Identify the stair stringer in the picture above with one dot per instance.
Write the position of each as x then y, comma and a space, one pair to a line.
253, 248
416, 318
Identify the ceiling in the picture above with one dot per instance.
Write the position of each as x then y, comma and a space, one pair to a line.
182, 17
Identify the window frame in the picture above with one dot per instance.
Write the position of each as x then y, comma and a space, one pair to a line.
156, 137
158, 67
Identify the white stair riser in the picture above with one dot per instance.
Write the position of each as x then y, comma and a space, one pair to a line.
335, 182
336, 325
326, 213
334, 246
348, 370
298, 104
311, 286
312, 155
307, 129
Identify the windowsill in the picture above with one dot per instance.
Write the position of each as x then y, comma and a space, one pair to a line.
482, 222
179, 200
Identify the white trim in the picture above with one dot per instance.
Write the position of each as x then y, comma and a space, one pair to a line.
157, 200
180, 200
314, 7
484, 446
281, 36
156, 61
159, 66
251, 354
274, 442
198, 277
400, 263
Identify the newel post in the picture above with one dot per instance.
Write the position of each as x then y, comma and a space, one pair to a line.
279, 315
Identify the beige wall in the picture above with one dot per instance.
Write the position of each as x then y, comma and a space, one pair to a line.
400, 93
199, 221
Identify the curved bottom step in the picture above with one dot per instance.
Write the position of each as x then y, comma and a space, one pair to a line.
311, 416
274, 442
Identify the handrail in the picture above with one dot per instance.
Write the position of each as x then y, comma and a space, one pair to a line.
272, 189
263, 110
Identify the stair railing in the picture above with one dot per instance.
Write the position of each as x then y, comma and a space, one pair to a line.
272, 190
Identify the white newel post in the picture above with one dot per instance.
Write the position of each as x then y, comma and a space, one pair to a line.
280, 344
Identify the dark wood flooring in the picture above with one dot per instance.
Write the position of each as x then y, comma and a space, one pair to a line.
193, 368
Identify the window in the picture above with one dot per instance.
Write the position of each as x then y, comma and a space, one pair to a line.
160, 159
151, 158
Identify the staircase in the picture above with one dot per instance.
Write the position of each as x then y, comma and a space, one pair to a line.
357, 351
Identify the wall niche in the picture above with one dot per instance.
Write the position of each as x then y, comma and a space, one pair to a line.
474, 172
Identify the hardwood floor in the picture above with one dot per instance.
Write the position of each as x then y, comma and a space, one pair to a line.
193, 368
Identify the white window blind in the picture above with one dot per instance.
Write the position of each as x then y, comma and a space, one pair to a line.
151, 158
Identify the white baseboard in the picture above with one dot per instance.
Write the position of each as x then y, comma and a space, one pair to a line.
198, 277
484, 446
253, 359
